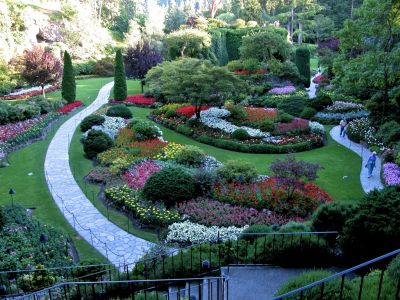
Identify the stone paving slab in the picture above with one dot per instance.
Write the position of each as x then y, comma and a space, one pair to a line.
119, 246
368, 184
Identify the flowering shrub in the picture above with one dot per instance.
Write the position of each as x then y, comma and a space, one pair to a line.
391, 174
214, 213
150, 148
210, 163
283, 90
125, 137
138, 174
147, 213
320, 79
316, 127
297, 124
360, 130
170, 151
110, 126
268, 194
188, 232
69, 107
259, 114
343, 107
11, 130
168, 107
336, 117
109, 156
140, 99
29, 94
189, 111
98, 175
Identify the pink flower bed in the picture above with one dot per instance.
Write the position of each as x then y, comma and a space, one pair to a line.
320, 78
391, 173
137, 175
30, 94
11, 130
214, 213
283, 90
296, 125
246, 72
69, 107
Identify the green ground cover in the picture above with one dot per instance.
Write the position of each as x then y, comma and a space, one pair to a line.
31, 190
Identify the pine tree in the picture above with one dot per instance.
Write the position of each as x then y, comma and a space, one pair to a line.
120, 91
303, 64
68, 86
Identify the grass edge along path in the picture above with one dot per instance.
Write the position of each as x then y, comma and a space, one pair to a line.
31, 190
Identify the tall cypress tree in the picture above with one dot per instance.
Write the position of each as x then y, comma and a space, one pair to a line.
120, 91
302, 60
68, 86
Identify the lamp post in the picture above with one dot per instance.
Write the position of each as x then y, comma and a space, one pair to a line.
12, 192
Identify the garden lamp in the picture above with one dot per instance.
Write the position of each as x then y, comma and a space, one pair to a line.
12, 192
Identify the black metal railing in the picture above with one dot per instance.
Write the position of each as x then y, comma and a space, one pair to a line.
211, 288
357, 275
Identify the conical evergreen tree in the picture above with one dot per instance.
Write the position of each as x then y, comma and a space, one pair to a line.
68, 86
120, 91
302, 60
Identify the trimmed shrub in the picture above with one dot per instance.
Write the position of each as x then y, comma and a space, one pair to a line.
389, 133
120, 89
237, 171
191, 156
293, 105
235, 65
284, 117
302, 60
144, 130
103, 68
251, 64
171, 185
321, 101
241, 135
96, 142
120, 110
90, 121
256, 228
204, 182
68, 86
267, 126
332, 216
308, 113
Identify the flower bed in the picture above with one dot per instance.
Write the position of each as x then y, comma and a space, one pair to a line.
70, 107
344, 106
289, 89
259, 114
247, 72
189, 111
150, 148
29, 94
214, 213
138, 100
391, 174
138, 174
320, 79
296, 125
334, 118
188, 232
110, 126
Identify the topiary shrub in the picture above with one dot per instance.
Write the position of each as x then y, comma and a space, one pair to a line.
171, 185
332, 216
120, 110
302, 60
96, 142
90, 121
237, 171
308, 113
241, 135
120, 89
68, 86
293, 105
144, 130
191, 156
321, 101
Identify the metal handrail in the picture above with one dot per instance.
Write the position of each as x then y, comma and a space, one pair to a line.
337, 275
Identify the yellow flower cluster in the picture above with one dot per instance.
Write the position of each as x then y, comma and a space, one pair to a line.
167, 107
147, 213
111, 155
170, 151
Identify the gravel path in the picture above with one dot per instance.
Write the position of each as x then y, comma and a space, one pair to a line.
114, 243
368, 184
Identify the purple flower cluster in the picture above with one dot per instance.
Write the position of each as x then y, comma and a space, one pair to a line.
283, 90
391, 173
214, 213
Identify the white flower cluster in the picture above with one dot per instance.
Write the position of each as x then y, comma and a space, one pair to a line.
316, 127
32, 89
111, 126
213, 118
197, 234
210, 163
343, 106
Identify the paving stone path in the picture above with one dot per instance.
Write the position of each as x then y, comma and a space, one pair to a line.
368, 184
312, 90
117, 245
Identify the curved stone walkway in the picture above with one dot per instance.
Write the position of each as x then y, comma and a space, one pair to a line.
368, 184
117, 245
312, 90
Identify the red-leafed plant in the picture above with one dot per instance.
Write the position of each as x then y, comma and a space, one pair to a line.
69, 107
189, 111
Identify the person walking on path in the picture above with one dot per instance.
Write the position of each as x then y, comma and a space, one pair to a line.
343, 124
371, 164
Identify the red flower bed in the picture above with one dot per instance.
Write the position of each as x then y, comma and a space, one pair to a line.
149, 147
30, 94
259, 114
296, 125
14, 129
246, 72
267, 194
69, 107
189, 111
140, 99
320, 79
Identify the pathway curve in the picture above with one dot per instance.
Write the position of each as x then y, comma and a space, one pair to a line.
368, 184
117, 245
312, 90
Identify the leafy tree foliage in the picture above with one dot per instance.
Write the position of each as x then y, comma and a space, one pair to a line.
68, 86
40, 67
174, 19
195, 81
120, 89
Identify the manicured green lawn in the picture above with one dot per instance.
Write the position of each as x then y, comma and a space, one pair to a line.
313, 64
31, 190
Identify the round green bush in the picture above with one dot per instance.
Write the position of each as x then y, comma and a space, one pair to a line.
204, 182
284, 117
171, 185
91, 121
256, 228
308, 113
251, 64
321, 101
240, 134
293, 105
96, 142
235, 65
120, 110
267, 126
332, 216
144, 130
191, 156
237, 171
170, 113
